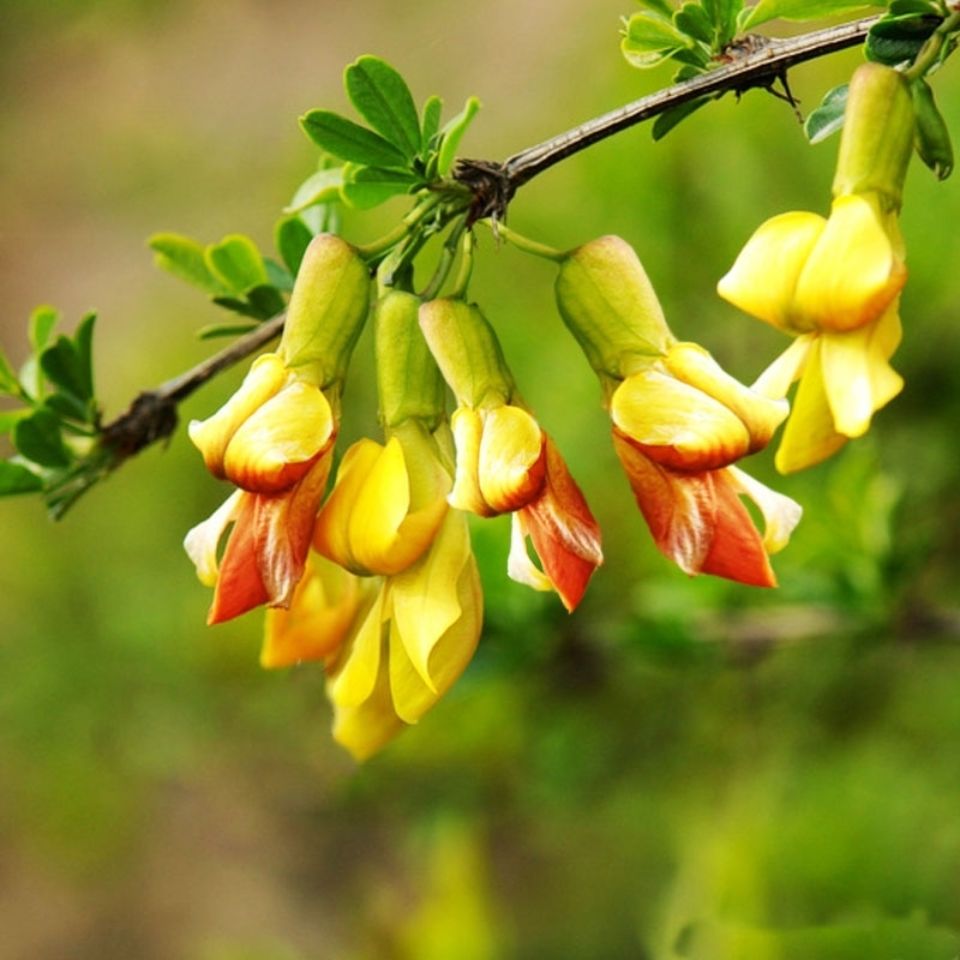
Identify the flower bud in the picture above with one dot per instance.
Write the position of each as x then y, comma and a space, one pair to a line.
327, 309
609, 304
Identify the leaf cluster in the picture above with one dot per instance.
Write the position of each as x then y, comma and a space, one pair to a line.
55, 423
397, 151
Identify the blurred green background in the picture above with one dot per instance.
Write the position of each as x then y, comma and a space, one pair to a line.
683, 768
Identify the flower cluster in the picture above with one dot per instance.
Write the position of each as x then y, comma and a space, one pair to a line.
376, 578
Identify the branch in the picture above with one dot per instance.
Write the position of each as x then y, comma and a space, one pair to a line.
153, 414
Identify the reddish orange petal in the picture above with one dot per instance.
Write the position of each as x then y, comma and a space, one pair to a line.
239, 584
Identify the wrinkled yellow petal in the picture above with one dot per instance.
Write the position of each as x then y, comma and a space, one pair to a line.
761, 415
424, 601
852, 275
511, 467
325, 605
776, 380
780, 513
809, 436
467, 427
412, 698
351, 680
266, 376
676, 424
273, 447
331, 536
201, 541
367, 727
857, 377
763, 278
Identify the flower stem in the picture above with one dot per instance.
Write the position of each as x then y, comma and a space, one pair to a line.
374, 251
930, 52
525, 244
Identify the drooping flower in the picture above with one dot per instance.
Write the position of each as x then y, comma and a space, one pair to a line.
505, 462
274, 438
679, 421
835, 283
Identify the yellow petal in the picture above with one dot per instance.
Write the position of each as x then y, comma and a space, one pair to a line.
202, 541
857, 377
511, 464
852, 275
520, 567
780, 513
211, 436
763, 278
351, 680
677, 425
809, 436
367, 727
275, 445
424, 599
412, 697
325, 605
775, 381
331, 535
761, 415
467, 427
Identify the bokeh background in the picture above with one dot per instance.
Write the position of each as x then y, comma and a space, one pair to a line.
683, 768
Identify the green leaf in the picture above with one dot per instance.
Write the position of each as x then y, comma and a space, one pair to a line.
367, 187
431, 121
895, 40
8, 378
657, 6
382, 97
670, 118
692, 20
827, 119
650, 39
236, 262
184, 258
16, 478
800, 10
267, 300
236, 329
64, 368
902, 8
452, 134
349, 141
38, 438
931, 134
292, 238
278, 275
83, 338
320, 187
723, 14
42, 322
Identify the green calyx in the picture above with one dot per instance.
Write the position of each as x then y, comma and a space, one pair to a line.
327, 309
467, 351
408, 379
609, 305
877, 135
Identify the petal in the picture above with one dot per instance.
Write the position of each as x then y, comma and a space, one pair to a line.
857, 377
266, 376
762, 280
240, 584
510, 464
352, 678
467, 427
520, 567
331, 535
760, 414
809, 436
775, 381
367, 727
276, 444
780, 513
202, 541
736, 549
676, 424
325, 605
448, 658
563, 531
425, 598
852, 275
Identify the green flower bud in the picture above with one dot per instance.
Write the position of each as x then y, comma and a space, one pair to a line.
877, 135
408, 380
932, 136
609, 305
467, 351
326, 310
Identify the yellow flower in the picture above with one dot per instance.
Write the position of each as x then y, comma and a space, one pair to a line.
835, 283
678, 426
